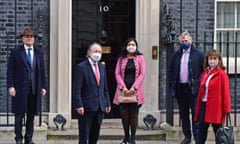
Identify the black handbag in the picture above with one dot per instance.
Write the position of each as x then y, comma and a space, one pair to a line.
225, 134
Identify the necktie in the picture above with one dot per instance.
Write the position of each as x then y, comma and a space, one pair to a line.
97, 73
184, 67
29, 57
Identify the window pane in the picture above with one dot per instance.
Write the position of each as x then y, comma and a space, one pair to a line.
225, 15
225, 43
238, 14
238, 44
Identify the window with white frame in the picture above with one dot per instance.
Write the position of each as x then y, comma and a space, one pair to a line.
227, 33
227, 27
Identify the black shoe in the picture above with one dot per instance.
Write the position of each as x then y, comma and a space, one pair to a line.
133, 141
186, 141
29, 142
124, 142
19, 142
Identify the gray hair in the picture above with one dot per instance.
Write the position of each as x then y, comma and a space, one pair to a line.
94, 44
184, 34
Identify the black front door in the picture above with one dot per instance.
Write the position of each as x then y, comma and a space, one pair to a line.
108, 22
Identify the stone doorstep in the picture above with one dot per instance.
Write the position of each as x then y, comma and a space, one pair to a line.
42, 133
107, 134
111, 129
107, 123
7, 133
175, 134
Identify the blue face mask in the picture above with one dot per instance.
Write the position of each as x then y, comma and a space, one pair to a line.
185, 45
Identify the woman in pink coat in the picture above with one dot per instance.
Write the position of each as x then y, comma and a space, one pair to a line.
130, 72
214, 101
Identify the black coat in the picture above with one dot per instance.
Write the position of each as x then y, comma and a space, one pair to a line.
17, 77
195, 68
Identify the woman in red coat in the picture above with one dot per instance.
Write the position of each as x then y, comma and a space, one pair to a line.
214, 101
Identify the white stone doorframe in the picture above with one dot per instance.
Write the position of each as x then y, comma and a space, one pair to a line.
60, 60
147, 34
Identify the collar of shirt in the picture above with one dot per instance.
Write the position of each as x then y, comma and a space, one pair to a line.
26, 47
92, 63
26, 50
188, 50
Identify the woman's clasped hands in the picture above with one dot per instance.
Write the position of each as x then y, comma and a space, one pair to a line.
129, 92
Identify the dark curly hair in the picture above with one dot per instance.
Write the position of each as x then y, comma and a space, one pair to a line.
124, 51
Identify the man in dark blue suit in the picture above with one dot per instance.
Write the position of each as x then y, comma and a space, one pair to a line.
91, 97
26, 84
186, 66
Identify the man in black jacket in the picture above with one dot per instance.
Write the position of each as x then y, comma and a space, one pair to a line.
184, 71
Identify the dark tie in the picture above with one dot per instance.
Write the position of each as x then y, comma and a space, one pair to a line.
97, 73
29, 57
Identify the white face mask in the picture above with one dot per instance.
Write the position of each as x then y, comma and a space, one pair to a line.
96, 57
212, 63
131, 49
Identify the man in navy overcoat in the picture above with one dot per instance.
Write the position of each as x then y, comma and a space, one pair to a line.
26, 84
91, 97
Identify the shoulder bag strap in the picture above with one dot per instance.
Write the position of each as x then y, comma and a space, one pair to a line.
228, 120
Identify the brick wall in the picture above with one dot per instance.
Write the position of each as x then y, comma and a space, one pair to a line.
15, 15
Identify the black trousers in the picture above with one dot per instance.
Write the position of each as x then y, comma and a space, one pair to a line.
89, 126
203, 126
187, 101
31, 108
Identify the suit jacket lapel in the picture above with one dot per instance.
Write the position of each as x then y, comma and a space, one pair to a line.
101, 72
91, 69
24, 56
36, 58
